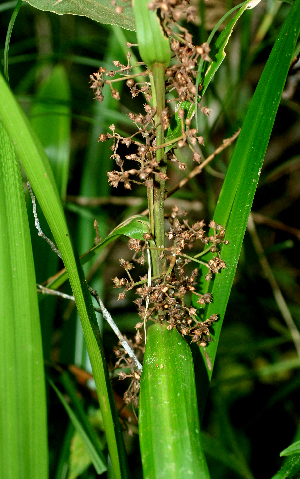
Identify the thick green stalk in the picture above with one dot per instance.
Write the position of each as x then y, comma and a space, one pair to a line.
158, 89
169, 427
154, 48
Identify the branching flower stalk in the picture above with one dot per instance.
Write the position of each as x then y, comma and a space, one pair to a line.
164, 295
155, 51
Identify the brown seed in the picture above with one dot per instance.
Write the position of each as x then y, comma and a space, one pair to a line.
130, 82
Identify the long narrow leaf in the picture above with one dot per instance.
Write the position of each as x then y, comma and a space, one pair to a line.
217, 52
23, 423
241, 180
51, 120
8, 35
38, 171
95, 453
206, 72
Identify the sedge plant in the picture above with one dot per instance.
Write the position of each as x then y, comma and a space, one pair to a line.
178, 305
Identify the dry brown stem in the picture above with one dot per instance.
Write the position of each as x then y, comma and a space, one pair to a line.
199, 168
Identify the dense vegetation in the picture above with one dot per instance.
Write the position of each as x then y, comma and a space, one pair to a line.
250, 412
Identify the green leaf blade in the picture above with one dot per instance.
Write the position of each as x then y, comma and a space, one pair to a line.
99, 10
50, 117
289, 470
236, 197
154, 46
292, 449
217, 52
93, 450
23, 424
39, 173
51, 120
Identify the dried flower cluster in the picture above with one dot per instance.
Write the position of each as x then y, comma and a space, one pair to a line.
168, 296
103, 77
171, 11
141, 153
180, 84
124, 362
182, 72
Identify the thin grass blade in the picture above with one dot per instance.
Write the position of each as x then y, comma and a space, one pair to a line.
8, 35
206, 72
93, 449
217, 52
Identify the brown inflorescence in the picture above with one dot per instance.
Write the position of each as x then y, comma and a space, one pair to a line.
171, 297
168, 298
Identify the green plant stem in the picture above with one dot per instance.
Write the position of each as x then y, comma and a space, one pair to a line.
158, 192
